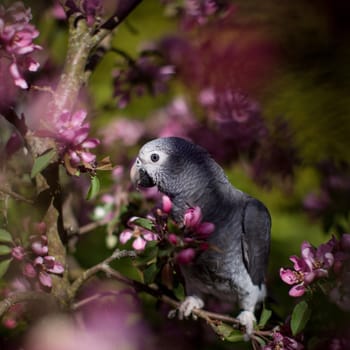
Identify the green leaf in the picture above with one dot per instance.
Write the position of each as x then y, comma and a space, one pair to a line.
5, 236
179, 292
4, 249
145, 223
229, 333
300, 316
4, 265
265, 316
42, 162
94, 188
150, 273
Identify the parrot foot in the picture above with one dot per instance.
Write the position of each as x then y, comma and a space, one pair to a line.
247, 319
186, 307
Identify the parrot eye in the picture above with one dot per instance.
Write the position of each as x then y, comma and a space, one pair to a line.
154, 157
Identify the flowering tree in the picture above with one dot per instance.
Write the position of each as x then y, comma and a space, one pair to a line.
84, 257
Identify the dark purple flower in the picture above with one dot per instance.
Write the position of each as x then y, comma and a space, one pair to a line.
147, 74
16, 41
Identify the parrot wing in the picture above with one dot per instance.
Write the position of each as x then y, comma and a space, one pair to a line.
256, 227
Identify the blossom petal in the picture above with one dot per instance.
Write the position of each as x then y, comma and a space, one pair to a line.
90, 143
139, 243
125, 236
192, 217
18, 78
288, 276
45, 279
297, 291
205, 229
166, 204
185, 256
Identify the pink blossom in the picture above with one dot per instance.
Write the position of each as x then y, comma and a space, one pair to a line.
185, 256
205, 229
192, 217
125, 236
45, 279
18, 252
139, 243
16, 38
141, 235
71, 133
9, 323
45, 266
173, 239
29, 270
314, 263
39, 246
53, 266
166, 204
281, 341
193, 221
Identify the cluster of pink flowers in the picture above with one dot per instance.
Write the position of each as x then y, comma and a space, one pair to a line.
72, 136
37, 265
316, 263
140, 235
16, 42
194, 224
71, 133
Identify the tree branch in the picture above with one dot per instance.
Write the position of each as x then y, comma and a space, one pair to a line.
5, 189
20, 297
118, 254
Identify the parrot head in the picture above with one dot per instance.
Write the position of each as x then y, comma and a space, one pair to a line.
154, 162
165, 162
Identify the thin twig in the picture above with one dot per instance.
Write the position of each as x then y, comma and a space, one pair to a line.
92, 298
90, 227
210, 317
14, 195
20, 297
118, 254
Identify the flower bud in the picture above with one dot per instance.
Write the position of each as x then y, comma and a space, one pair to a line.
185, 256
192, 217
17, 253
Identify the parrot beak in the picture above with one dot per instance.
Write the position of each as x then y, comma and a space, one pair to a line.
134, 174
139, 176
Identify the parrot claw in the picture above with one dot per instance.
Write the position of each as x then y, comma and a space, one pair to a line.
186, 307
247, 319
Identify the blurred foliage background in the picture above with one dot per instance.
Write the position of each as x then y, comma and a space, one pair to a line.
304, 79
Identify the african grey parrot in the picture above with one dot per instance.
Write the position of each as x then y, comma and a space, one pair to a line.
235, 271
